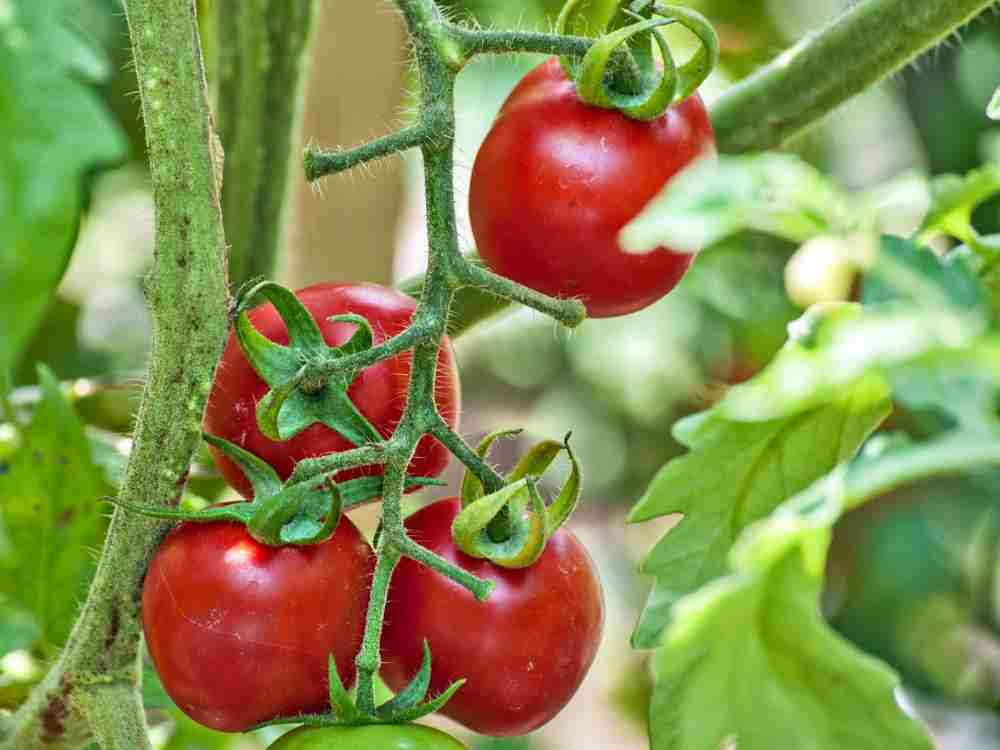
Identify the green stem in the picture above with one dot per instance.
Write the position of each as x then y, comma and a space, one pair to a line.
478, 587
871, 40
187, 292
369, 659
323, 163
309, 468
262, 58
569, 312
485, 473
485, 41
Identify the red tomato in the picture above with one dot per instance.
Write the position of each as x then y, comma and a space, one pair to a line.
556, 180
525, 650
379, 392
240, 632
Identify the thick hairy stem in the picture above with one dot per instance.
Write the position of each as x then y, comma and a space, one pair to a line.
872, 40
187, 293
323, 163
476, 41
115, 715
261, 55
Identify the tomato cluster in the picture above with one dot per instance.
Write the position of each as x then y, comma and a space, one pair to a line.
242, 633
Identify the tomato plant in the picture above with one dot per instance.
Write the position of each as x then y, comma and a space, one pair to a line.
384, 737
557, 179
240, 632
379, 392
515, 683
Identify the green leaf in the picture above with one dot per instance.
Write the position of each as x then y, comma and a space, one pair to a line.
735, 474
750, 658
955, 198
18, 629
712, 200
50, 502
918, 306
53, 129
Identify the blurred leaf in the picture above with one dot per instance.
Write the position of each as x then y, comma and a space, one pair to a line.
153, 695
955, 198
993, 111
49, 499
18, 629
713, 199
735, 474
750, 658
918, 306
53, 129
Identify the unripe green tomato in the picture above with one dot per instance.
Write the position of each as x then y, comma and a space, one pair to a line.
822, 270
380, 736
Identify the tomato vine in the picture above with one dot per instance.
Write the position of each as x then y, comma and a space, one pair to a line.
92, 689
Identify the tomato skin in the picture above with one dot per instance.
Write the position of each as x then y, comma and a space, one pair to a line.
525, 650
379, 391
378, 736
240, 632
556, 180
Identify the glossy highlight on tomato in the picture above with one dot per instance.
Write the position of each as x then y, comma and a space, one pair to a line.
241, 633
524, 651
379, 391
374, 737
556, 180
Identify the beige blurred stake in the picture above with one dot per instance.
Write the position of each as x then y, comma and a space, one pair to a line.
353, 93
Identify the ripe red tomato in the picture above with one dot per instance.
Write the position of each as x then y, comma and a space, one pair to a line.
379, 391
557, 179
240, 632
370, 737
525, 650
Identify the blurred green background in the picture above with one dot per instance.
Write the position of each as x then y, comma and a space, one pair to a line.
912, 576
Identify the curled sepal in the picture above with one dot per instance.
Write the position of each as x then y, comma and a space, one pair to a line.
301, 393
695, 71
657, 91
472, 488
261, 475
563, 506
301, 514
528, 531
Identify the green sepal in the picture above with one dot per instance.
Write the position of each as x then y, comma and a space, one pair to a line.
472, 488
261, 475
407, 706
300, 394
562, 508
301, 514
413, 693
528, 534
287, 410
655, 96
340, 702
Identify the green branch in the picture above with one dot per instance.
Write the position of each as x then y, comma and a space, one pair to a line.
187, 292
261, 68
870, 41
488, 41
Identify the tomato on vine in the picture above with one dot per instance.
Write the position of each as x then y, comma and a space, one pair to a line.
380, 736
241, 632
524, 651
378, 392
557, 179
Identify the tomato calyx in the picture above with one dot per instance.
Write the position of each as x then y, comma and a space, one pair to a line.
409, 704
301, 392
527, 522
631, 82
295, 513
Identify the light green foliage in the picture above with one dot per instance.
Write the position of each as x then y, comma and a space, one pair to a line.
50, 500
774, 193
750, 656
41, 184
735, 474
